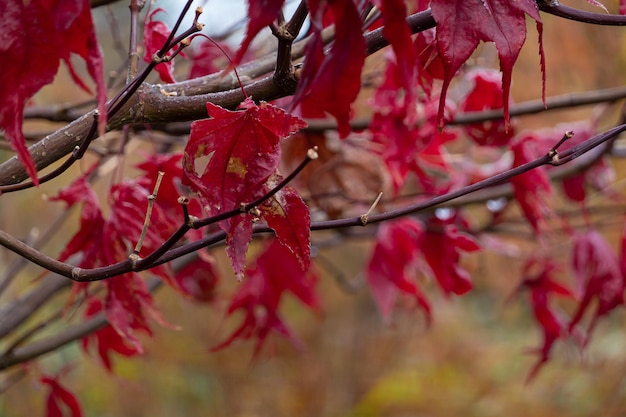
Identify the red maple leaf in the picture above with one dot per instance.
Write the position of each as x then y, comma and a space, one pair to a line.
208, 58
531, 189
393, 266
331, 82
106, 340
261, 13
260, 295
442, 244
538, 278
243, 151
429, 63
598, 276
462, 24
486, 94
60, 402
397, 32
155, 34
598, 177
198, 279
37, 34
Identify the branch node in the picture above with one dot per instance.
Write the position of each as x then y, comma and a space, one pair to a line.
134, 259
77, 273
365, 217
312, 153
553, 153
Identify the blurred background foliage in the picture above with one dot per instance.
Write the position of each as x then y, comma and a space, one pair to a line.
472, 361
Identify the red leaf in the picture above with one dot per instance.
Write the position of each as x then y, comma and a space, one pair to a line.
128, 305
392, 266
261, 13
335, 84
260, 295
106, 340
462, 24
429, 63
243, 148
531, 189
91, 218
37, 34
60, 402
397, 32
198, 280
441, 246
598, 276
155, 34
289, 216
208, 58
539, 280
486, 94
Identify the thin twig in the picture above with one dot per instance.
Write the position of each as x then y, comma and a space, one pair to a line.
146, 223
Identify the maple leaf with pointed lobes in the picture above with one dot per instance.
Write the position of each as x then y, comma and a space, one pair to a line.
106, 340
598, 276
462, 24
260, 295
392, 267
538, 278
243, 148
60, 402
441, 245
531, 189
155, 34
486, 94
330, 83
36, 35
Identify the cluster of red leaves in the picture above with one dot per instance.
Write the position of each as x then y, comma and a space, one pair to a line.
405, 248
243, 152
599, 279
409, 146
260, 295
36, 36
104, 241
